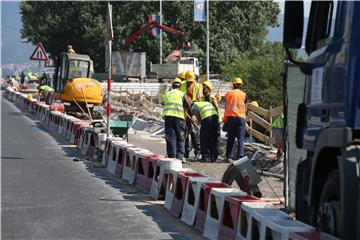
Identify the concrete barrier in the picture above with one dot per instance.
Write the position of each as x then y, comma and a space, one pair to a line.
215, 208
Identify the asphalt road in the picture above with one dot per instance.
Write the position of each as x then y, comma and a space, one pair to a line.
46, 195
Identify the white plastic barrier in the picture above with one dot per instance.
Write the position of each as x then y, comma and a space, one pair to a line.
192, 196
130, 166
247, 211
215, 208
159, 182
114, 155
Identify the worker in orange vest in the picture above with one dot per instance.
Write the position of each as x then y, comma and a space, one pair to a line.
235, 118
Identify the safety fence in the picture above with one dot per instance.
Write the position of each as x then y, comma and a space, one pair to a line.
217, 210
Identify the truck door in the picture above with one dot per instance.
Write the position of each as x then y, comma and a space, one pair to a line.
325, 86
61, 73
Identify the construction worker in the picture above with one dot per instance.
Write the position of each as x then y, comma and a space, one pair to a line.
193, 92
277, 131
207, 114
234, 117
44, 91
173, 113
183, 81
207, 90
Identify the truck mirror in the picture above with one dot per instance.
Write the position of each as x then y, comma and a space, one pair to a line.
293, 24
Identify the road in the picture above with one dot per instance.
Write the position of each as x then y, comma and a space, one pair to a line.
46, 195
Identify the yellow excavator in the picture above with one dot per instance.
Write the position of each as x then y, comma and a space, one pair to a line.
74, 85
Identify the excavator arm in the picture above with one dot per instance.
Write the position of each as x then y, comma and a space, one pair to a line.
148, 27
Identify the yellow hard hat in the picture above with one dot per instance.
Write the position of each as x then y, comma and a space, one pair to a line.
190, 75
176, 80
208, 84
182, 75
255, 103
29, 96
237, 81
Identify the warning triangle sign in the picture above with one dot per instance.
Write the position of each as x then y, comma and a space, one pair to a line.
39, 53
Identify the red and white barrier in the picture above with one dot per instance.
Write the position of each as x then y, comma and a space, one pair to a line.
215, 208
230, 215
311, 236
75, 131
160, 179
203, 203
192, 198
121, 159
180, 191
145, 171
171, 185
129, 168
114, 155
247, 211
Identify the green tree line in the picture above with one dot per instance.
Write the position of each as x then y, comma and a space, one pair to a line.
237, 33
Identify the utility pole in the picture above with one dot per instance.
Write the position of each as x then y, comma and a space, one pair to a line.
207, 42
161, 40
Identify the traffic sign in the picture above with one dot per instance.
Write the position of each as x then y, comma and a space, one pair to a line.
39, 53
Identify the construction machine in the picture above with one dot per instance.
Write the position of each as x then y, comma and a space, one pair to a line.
74, 85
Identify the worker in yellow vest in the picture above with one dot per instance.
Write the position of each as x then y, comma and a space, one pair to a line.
192, 92
235, 118
207, 114
173, 113
278, 131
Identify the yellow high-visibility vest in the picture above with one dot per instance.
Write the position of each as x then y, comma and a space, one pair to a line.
173, 101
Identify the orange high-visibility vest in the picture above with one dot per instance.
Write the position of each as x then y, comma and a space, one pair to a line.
235, 104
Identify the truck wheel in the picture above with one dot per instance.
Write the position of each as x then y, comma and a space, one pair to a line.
329, 212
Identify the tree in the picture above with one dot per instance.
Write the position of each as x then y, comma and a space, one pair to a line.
235, 27
261, 71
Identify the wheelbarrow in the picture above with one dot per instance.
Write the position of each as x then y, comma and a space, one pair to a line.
120, 127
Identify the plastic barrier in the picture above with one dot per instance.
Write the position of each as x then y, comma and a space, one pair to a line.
215, 208
311, 236
75, 132
247, 211
34, 104
230, 215
61, 124
145, 172
97, 142
129, 168
160, 179
180, 191
121, 158
171, 184
192, 198
107, 148
203, 203
114, 155
85, 140
54, 119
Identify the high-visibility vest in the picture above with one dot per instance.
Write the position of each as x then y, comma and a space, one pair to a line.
206, 109
197, 90
210, 99
278, 122
46, 89
173, 104
235, 104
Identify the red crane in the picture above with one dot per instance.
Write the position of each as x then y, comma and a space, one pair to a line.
148, 27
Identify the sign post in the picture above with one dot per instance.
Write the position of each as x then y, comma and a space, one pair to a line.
109, 37
39, 54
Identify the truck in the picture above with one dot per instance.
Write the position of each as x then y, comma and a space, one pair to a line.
327, 128
171, 70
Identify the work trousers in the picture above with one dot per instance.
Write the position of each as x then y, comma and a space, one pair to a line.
191, 132
174, 136
209, 134
236, 129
